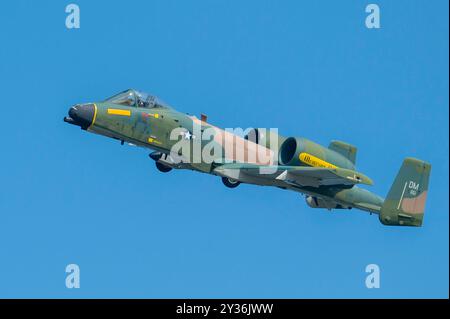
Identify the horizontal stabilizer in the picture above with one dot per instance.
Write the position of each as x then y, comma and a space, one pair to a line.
345, 149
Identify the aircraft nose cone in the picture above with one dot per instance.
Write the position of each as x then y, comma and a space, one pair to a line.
82, 114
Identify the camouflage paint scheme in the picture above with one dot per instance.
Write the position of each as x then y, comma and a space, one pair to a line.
326, 175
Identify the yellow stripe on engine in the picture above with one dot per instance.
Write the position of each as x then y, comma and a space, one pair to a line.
119, 112
311, 160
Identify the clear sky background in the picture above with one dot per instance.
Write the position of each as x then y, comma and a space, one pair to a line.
309, 68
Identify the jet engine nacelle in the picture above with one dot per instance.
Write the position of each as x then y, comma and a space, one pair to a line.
316, 202
298, 151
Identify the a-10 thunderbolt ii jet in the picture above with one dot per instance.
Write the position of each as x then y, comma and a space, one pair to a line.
326, 175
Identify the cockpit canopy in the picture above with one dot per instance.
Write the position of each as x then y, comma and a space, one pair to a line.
137, 99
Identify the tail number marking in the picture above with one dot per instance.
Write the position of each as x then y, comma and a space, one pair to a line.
413, 188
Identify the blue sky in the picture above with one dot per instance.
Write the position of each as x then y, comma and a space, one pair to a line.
309, 68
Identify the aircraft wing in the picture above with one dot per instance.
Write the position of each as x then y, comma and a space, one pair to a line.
295, 175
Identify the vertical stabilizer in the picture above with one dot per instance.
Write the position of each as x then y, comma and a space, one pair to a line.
405, 202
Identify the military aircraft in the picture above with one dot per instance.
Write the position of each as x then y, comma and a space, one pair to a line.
325, 175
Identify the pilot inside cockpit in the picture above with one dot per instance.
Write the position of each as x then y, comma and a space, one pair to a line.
137, 99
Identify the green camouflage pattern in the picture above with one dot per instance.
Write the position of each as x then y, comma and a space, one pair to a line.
327, 176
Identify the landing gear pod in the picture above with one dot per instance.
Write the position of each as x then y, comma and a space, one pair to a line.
163, 168
229, 182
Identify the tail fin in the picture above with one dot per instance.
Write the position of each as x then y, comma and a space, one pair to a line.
345, 149
405, 202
